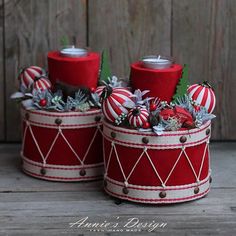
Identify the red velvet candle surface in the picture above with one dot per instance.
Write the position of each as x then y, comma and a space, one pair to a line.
75, 71
160, 82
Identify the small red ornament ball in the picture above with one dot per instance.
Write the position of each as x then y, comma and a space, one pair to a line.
153, 106
197, 108
43, 102
93, 90
146, 125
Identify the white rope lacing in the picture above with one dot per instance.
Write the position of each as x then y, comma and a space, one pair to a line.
24, 135
176, 162
145, 153
59, 133
191, 166
203, 159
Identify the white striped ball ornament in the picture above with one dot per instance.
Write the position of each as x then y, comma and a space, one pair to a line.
42, 84
27, 75
138, 116
203, 95
112, 103
99, 90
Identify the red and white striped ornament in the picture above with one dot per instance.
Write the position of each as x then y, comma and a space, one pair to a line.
203, 95
112, 103
138, 116
99, 90
27, 75
42, 84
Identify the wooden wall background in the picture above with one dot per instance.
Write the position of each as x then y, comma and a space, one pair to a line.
197, 32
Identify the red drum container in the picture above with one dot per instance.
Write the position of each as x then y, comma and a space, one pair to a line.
161, 83
75, 71
146, 168
64, 146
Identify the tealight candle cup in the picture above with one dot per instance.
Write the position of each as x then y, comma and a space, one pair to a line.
157, 62
72, 51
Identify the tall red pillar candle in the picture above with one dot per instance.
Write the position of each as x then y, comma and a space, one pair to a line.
160, 82
75, 71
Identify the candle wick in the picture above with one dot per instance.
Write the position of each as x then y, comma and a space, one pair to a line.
73, 46
159, 57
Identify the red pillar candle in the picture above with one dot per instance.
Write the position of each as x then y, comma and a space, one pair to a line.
160, 82
80, 71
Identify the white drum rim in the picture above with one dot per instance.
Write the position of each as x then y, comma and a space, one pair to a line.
169, 140
150, 133
62, 173
180, 193
47, 119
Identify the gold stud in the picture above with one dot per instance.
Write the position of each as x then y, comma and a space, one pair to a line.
145, 140
125, 190
113, 134
43, 171
208, 131
58, 121
97, 118
82, 172
183, 139
196, 190
162, 194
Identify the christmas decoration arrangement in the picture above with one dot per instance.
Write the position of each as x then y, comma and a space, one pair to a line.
61, 116
191, 107
156, 134
149, 136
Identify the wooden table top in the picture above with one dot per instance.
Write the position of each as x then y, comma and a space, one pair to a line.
30, 206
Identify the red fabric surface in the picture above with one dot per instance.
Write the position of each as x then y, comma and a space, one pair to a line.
81, 71
61, 154
163, 160
161, 83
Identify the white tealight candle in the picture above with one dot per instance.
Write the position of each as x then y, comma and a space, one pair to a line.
156, 62
73, 52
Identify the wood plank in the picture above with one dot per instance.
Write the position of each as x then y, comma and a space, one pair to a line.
32, 29
129, 30
203, 37
2, 77
46, 212
34, 207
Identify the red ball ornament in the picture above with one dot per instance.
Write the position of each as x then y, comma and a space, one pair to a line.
112, 103
138, 116
27, 75
93, 90
153, 106
197, 107
42, 83
43, 102
203, 95
99, 90
146, 125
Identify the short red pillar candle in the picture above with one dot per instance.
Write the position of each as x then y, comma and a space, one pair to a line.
80, 71
160, 82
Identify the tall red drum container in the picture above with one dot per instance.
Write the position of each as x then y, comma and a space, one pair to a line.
64, 146
146, 168
161, 83
75, 71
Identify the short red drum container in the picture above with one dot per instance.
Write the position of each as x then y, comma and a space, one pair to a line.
147, 168
62, 146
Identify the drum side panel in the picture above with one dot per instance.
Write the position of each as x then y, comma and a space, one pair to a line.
61, 153
170, 166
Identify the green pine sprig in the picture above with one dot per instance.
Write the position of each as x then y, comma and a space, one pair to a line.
105, 67
182, 87
64, 41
